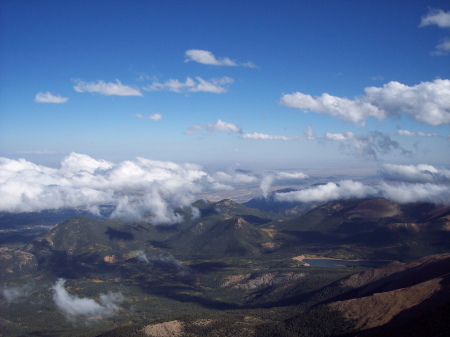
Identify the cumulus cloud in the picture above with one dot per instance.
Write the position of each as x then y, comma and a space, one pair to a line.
138, 188
215, 85
74, 307
421, 173
427, 102
368, 146
48, 97
436, 17
206, 57
153, 117
106, 88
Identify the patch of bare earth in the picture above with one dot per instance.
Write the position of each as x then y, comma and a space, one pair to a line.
250, 281
166, 329
380, 308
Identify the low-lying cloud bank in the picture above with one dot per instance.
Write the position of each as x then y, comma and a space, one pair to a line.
407, 183
268, 180
151, 190
74, 307
136, 189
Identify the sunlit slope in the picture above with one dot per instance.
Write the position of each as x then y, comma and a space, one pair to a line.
368, 228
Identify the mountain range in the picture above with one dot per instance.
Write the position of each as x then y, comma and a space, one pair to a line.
227, 269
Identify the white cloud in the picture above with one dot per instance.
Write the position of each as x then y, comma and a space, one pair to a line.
74, 307
441, 19
48, 97
348, 189
401, 132
82, 181
443, 48
427, 102
421, 173
263, 136
354, 111
206, 57
335, 136
406, 193
106, 88
235, 178
223, 127
269, 179
345, 189
216, 85
219, 126
153, 117
436, 17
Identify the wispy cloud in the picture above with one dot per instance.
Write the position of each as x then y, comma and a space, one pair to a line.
106, 88
206, 57
426, 103
401, 132
74, 307
39, 152
442, 48
215, 85
153, 117
368, 146
263, 136
219, 126
308, 135
441, 19
436, 17
48, 97
226, 127
16, 293
269, 179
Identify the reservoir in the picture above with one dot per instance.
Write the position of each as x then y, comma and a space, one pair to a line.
331, 263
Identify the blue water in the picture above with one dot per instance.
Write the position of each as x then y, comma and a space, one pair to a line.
328, 263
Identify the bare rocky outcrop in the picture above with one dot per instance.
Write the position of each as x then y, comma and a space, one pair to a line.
166, 329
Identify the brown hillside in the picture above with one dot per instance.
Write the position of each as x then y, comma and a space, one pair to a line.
396, 292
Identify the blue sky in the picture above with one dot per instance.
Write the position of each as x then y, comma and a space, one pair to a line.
227, 83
